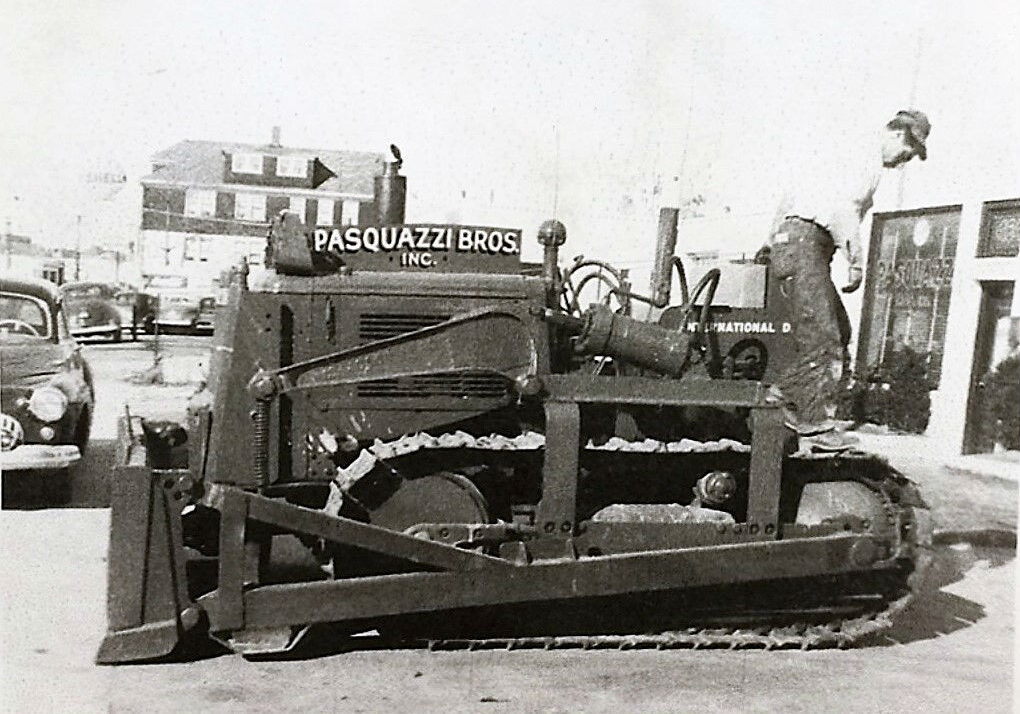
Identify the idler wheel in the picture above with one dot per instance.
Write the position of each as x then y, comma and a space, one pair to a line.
441, 497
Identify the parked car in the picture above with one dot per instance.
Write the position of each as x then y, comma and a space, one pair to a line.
46, 393
207, 308
91, 310
137, 311
177, 312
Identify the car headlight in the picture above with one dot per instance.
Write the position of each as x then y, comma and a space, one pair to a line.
47, 404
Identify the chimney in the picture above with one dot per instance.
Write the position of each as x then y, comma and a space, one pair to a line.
276, 137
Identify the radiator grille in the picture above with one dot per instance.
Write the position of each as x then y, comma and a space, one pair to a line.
462, 384
381, 325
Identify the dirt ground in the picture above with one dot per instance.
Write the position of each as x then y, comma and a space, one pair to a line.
952, 652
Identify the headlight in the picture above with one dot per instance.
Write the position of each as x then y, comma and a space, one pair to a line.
47, 404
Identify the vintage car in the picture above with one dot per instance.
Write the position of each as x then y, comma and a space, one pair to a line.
206, 321
137, 311
177, 312
91, 310
46, 392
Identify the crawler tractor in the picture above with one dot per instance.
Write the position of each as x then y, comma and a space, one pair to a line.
411, 436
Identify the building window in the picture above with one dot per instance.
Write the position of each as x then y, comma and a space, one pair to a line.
196, 248
250, 207
292, 166
324, 213
910, 273
1000, 230
246, 163
297, 205
349, 212
199, 202
254, 251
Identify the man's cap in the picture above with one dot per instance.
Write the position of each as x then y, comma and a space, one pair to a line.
918, 127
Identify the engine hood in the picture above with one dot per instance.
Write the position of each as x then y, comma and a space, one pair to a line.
30, 359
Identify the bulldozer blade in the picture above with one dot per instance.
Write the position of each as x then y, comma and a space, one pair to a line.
148, 607
261, 642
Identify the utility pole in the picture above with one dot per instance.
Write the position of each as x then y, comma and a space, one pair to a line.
77, 251
7, 243
8, 247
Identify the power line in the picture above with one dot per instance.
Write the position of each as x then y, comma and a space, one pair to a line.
695, 46
911, 98
556, 178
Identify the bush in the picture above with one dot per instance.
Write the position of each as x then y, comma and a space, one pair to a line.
1001, 397
894, 394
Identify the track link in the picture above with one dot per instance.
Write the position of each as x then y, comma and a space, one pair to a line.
798, 636
741, 632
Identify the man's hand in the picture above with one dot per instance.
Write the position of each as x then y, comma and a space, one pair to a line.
854, 277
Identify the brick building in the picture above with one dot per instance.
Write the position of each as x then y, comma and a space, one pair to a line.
208, 203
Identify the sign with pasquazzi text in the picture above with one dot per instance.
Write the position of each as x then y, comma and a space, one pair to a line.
908, 286
929, 273
416, 247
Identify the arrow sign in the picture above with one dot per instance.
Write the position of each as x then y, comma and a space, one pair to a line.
320, 173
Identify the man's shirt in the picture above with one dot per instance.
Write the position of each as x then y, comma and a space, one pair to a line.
834, 190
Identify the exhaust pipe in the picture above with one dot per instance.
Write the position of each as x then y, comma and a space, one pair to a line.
391, 191
665, 247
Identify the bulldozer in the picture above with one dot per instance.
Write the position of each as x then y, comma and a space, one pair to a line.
410, 436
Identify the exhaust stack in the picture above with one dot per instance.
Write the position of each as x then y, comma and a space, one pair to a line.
665, 247
391, 191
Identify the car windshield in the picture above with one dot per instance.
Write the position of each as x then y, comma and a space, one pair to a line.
125, 299
23, 315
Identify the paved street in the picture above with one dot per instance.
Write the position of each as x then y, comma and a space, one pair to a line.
953, 652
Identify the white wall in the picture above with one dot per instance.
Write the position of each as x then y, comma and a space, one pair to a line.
101, 268
949, 402
220, 253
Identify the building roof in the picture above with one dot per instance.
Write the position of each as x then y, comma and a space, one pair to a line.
192, 162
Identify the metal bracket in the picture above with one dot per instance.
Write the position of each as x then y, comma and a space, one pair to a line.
557, 511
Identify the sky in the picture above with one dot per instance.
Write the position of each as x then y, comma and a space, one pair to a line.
506, 113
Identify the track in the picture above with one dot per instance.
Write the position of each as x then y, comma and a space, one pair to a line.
740, 634
839, 624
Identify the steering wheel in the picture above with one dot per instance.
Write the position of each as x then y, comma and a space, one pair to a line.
607, 288
15, 325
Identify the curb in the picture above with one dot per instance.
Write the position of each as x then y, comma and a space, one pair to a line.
991, 473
